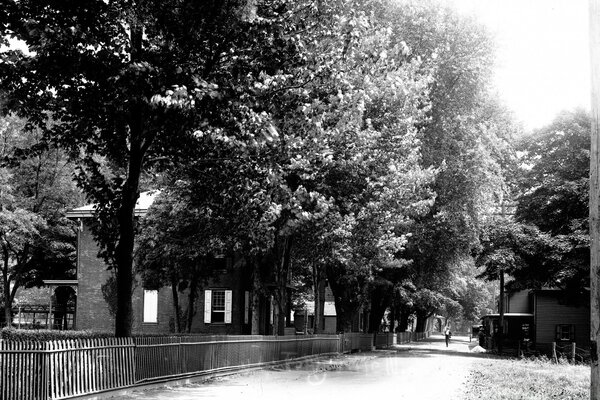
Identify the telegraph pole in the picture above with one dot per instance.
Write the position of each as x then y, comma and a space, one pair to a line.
594, 9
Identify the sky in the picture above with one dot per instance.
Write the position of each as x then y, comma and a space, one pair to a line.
543, 54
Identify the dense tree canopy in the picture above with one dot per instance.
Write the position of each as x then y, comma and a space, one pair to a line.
548, 244
467, 137
359, 139
36, 240
136, 83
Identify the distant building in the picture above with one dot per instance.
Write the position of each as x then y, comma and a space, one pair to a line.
541, 317
304, 317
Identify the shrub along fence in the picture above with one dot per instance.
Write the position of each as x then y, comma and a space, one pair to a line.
63, 369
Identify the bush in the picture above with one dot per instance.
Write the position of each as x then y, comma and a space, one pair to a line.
44, 335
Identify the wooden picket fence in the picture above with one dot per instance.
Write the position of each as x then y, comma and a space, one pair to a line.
64, 369
187, 355
388, 339
23, 371
71, 368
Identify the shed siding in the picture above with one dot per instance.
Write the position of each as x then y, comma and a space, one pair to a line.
549, 313
518, 302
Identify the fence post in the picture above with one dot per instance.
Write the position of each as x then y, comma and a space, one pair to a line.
573, 352
554, 352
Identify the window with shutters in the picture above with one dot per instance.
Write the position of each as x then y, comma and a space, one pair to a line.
565, 333
217, 306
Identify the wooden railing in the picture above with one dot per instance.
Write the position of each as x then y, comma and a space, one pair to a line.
366, 341
189, 355
389, 339
71, 368
64, 369
356, 341
23, 371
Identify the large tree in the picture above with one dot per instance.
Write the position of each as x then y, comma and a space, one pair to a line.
466, 137
130, 84
344, 168
555, 192
548, 243
36, 241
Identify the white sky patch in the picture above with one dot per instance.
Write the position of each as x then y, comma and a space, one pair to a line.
543, 54
15, 44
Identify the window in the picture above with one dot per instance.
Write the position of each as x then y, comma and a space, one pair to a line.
217, 306
150, 306
565, 333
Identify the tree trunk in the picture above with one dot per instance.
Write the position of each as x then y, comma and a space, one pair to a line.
343, 318
346, 301
124, 262
500, 335
6, 290
126, 212
379, 302
421, 321
319, 288
256, 285
403, 322
176, 308
191, 311
282, 273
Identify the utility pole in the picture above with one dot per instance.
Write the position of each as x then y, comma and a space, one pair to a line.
594, 9
500, 334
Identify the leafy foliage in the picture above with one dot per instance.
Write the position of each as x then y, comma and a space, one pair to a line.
135, 85
466, 138
549, 243
36, 241
22, 335
532, 257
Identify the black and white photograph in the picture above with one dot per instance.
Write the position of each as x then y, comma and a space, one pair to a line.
281, 199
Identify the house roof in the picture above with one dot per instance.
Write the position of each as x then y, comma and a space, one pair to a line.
509, 315
60, 282
141, 206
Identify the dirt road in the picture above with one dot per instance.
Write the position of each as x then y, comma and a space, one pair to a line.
424, 370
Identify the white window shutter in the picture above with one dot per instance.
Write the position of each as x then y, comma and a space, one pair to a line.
207, 305
150, 306
228, 306
246, 306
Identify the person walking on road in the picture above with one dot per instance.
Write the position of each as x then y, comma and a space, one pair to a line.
448, 335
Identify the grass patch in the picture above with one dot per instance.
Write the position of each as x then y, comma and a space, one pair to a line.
503, 379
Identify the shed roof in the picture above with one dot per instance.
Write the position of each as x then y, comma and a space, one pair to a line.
141, 206
509, 315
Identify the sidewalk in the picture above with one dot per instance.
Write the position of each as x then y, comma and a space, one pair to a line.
458, 344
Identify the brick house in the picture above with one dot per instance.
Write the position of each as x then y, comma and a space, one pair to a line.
543, 316
222, 307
